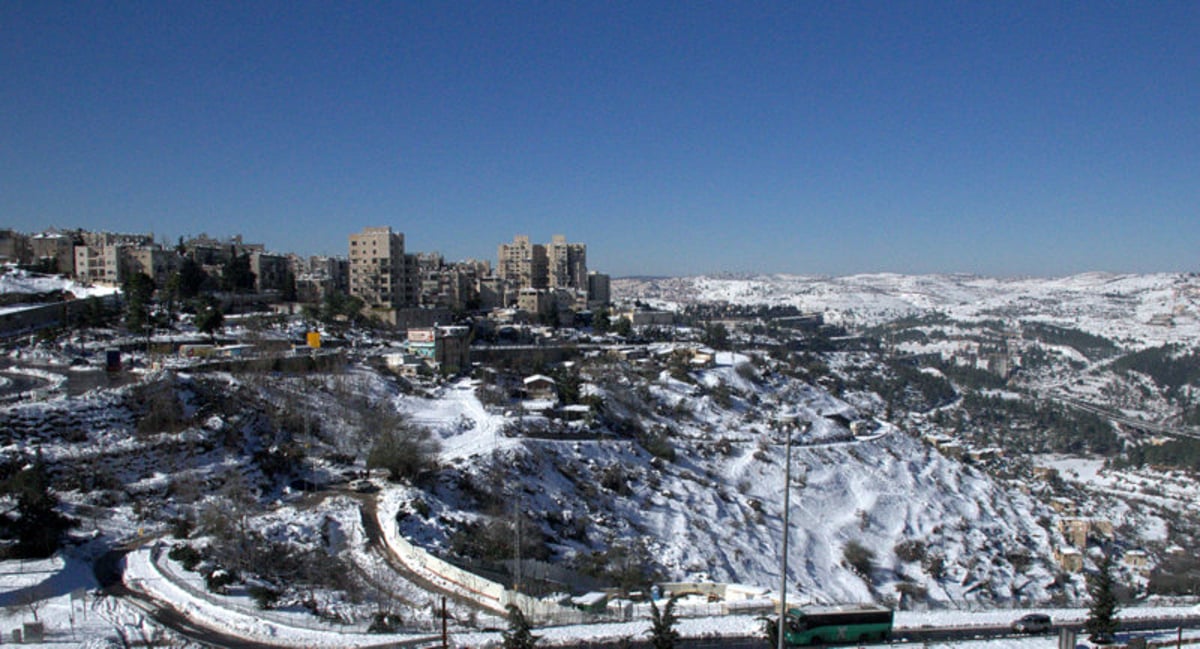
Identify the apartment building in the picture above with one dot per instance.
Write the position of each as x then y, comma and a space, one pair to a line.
456, 286
55, 249
152, 260
271, 272
599, 290
378, 268
522, 264
567, 264
318, 276
103, 257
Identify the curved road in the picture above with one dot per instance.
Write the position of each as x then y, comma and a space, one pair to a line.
109, 572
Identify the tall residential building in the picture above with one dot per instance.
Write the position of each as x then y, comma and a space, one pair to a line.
378, 267
522, 264
567, 263
599, 290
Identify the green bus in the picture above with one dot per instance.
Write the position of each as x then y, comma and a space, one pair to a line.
837, 624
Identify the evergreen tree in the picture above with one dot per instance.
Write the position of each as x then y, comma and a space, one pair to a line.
716, 335
209, 317
518, 635
192, 278
139, 291
39, 526
663, 634
601, 321
622, 327
236, 276
1102, 612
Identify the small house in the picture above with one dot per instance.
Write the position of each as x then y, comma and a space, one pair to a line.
1069, 559
541, 387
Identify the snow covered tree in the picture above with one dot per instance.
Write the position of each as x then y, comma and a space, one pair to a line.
518, 635
1102, 612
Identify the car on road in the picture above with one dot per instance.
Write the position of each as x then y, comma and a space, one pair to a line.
1032, 623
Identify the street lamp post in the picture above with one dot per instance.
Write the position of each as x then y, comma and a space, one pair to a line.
787, 424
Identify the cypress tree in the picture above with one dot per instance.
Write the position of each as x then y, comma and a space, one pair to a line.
1102, 612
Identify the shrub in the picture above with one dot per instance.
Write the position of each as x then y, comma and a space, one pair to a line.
385, 622
218, 580
614, 479
722, 396
160, 408
186, 555
518, 635
490, 395
910, 550
658, 445
859, 558
911, 590
265, 597
935, 565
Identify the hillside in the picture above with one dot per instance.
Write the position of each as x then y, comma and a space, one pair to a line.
940, 460
1143, 310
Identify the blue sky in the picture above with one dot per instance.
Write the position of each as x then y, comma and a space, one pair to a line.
998, 138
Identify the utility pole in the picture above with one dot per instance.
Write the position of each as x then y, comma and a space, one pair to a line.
517, 545
787, 424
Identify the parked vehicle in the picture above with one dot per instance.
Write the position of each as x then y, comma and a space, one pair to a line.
1032, 623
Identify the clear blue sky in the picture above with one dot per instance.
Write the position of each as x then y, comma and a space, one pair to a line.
999, 138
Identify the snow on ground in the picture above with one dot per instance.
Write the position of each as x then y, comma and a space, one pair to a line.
143, 573
94, 619
17, 281
1100, 303
459, 421
1159, 488
60, 593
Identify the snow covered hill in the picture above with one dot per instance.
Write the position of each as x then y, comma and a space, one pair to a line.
935, 529
1146, 310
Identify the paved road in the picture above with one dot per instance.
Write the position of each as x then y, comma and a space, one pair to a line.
109, 569
109, 572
